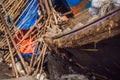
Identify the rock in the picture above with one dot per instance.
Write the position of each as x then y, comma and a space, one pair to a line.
74, 77
43, 76
20, 68
58, 69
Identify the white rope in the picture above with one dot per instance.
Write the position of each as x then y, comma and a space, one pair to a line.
106, 6
101, 7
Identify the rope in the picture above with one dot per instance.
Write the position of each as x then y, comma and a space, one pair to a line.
105, 7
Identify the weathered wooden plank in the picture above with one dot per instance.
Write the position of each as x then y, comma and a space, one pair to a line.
100, 30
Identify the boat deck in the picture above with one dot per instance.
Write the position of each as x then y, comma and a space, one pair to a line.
82, 18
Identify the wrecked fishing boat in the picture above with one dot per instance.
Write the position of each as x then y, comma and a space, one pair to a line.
36, 36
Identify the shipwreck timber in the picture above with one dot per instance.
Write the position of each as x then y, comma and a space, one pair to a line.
103, 28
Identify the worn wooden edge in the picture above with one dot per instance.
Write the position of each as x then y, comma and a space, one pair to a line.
104, 30
84, 26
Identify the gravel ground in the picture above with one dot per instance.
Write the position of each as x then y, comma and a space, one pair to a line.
4, 71
22, 78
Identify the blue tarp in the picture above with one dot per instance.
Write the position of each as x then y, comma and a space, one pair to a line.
76, 2
88, 5
29, 16
73, 2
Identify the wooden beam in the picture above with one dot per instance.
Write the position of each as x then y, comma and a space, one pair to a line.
103, 29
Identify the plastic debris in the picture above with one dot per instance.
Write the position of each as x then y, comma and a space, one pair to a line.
30, 15
93, 11
116, 3
20, 68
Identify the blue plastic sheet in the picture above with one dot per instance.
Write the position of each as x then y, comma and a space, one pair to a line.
77, 2
29, 16
88, 5
74, 2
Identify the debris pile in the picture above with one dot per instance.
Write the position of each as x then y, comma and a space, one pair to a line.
23, 27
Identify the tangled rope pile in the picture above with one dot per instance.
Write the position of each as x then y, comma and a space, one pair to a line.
102, 7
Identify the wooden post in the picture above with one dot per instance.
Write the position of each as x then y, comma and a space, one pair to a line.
13, 42
12, 57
